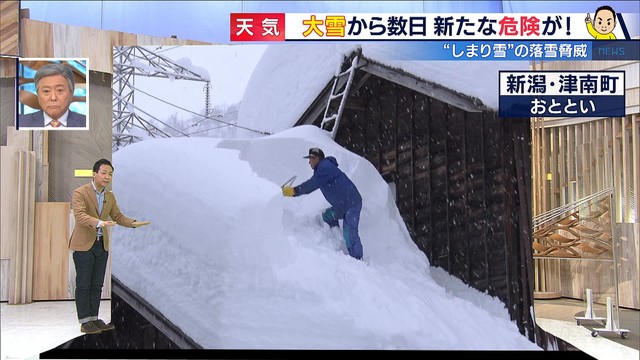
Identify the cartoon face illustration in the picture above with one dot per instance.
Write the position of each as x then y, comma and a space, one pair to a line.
604, 21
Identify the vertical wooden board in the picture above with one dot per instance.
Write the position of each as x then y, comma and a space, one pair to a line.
628, 162
145, 40
66, 41
20, 139
438, 190
388, 129
29, 219
17, 286
42, 165
9, 203
476, 224
372, 149
9, 27
36, 38
106, 285
635, 156
8, 68
51, 255
404, 105
616, 148
123, 39
4, 279
96, 45
495, 194
421, 171
9, 215
117, 38
564, 175
71, 276
456, 195
628, 241
631, 99
7, 102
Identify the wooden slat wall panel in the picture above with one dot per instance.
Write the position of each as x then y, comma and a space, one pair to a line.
627, 168
18, 184
29, 218
40, 39
628, 236
51, 255
37, 39
63, 45
459, 184
477, 198
8, 69
9, 17
106, 286
123, 39
605, 153
601, 153
4, 279
9, 210
457, 196
631, 97
96, 45
17, 141
56, 182
7, 101
635, 126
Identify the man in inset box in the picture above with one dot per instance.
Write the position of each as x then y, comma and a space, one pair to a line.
55, 85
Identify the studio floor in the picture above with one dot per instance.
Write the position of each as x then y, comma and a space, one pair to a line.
558, 317
30, 329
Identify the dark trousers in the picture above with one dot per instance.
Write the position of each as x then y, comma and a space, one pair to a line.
91, 266
350, 220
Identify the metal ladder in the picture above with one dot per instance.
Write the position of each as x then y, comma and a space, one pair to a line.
331, 120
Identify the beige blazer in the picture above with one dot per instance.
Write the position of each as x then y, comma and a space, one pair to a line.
85, 211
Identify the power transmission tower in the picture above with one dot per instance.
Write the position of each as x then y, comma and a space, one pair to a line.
132, 61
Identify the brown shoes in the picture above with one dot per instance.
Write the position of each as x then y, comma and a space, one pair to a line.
95, 327
90, 328
102, 326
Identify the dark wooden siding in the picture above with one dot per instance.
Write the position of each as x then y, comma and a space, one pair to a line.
461, 185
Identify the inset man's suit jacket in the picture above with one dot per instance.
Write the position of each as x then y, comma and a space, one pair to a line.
36, 119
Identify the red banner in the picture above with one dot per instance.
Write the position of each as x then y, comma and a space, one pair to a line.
257, 27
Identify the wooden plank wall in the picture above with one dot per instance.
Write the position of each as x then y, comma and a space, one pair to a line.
61, 40
57, 154
51, 255
17, 216
7, 96
584, 156
9, 22
458, 188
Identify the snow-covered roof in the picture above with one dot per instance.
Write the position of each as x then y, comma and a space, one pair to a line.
289, 77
